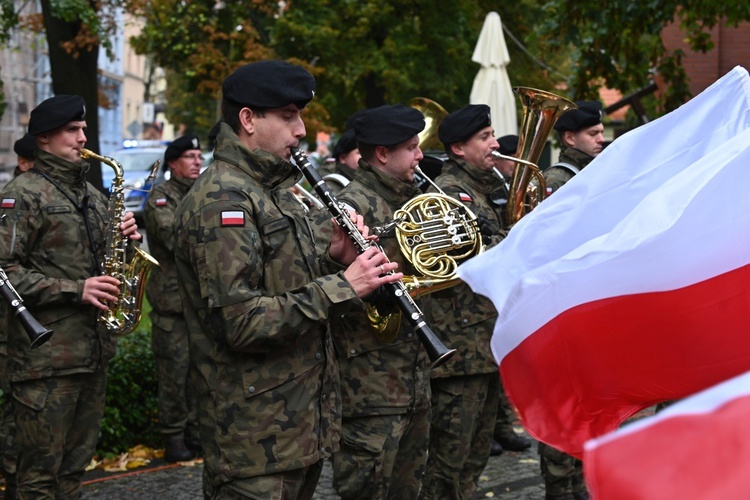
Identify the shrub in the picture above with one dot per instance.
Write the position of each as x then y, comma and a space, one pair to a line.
130, 414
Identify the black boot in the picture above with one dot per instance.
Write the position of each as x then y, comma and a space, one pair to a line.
496, 449
194, 444
176, 451
513, 442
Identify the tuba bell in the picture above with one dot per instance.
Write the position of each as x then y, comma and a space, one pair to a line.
541, 109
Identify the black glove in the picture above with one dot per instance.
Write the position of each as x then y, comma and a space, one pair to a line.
485, 229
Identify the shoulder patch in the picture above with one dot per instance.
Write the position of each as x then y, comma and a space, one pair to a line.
161, 202
233, 218
465, 197
8, 203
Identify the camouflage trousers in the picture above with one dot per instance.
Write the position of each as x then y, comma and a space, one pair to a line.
463, 417
562, 473
7, 421
382, 456
296, 484
505, 414
57, 424
177, 400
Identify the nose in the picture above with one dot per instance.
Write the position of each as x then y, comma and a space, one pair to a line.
420, 154
299, 129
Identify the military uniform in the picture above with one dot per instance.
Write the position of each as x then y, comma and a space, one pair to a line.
563, 473
177, 412
384, 386
337, 175
256, 309
557, 175
464, 390
58, 389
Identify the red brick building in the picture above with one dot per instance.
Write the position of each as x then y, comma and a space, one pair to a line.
731, 48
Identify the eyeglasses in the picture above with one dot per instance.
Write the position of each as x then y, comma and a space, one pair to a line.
193, 157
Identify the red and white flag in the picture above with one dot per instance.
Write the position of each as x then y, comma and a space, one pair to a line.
631, 285
694, 449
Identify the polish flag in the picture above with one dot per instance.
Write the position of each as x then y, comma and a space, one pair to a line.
694, 449
631, 285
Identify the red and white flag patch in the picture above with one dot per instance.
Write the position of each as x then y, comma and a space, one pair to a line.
233, 218
161, 202
8, 203
465, 197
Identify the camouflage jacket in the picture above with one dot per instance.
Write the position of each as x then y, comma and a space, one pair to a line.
556, 177
162, 289
462, 319
338, 169
257, 312
46, 253
379, 378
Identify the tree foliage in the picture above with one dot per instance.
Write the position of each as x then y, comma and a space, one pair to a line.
618, 44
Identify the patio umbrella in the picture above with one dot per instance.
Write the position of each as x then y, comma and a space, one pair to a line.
492, 85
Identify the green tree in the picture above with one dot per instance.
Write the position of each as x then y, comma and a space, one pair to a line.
618, 44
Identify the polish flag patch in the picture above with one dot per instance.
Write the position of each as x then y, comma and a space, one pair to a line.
8, 203
465, 197
549, 191
161, 202
233, 218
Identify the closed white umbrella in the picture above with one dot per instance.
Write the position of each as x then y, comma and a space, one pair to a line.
492, 85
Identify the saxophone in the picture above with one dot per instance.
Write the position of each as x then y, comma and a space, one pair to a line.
125, 314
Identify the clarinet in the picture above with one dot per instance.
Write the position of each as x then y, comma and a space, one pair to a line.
436, 350
38, 334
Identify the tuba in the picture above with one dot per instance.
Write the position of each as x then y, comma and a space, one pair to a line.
123, 316
435, 232
541, 110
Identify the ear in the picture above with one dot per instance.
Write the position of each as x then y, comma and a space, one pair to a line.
569, 139
381, 154
246, 120
43, 138
457, 148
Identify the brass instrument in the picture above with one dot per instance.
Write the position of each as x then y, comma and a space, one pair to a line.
123, 316
540, 111
436, 350
37, 333
434, 114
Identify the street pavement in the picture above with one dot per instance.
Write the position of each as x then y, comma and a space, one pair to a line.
512, 475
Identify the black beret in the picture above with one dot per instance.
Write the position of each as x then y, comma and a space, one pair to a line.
588, 114
269, 85
508, 144
180, 145
346, 143
356, 116
55, 112
462, 124
388, 125
25, 147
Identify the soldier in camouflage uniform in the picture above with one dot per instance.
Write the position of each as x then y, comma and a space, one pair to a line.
257, 297
465, 390
384, 383
581, 135
177, 412
25, 149
53, 226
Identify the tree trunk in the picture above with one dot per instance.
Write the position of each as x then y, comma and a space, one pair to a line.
76, 76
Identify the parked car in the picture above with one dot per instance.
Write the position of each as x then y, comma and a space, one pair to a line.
136, 164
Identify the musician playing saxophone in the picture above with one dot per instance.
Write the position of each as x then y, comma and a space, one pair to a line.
465, 391
257, 297
52, 238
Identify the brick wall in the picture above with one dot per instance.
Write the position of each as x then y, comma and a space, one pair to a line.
731, 48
